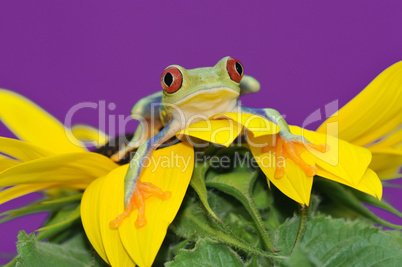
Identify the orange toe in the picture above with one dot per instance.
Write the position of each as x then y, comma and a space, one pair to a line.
290, 149
141, 193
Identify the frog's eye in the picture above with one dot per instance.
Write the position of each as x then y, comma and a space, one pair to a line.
171, 80
235, 69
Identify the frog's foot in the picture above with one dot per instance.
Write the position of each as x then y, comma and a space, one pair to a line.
141, 193
292, 148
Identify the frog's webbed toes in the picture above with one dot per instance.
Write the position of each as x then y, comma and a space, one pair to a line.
150, 189
291, 146
141, 192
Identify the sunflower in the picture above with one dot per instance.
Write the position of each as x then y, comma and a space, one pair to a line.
373, 119
290, 165
47, 158
132, 243
48, 155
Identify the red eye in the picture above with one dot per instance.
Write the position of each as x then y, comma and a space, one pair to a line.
171, 80
235, 69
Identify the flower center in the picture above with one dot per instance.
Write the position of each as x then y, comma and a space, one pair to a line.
289, 149
142, 192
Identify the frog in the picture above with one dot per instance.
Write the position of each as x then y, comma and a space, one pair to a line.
188, 96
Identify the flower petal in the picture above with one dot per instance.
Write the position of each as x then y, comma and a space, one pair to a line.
387, 166
294, 184
110, 203
343, 159
174, 175
90, 216
393, 140
6, 162
221, 132
370, 183
31, 123
256, 124
372, 113
22, 150
89, 134
20, 190
72, 167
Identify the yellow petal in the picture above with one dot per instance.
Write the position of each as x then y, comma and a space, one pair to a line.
78, 186
110, 205
393, 140
72, 167
294, 184
343, 159
22, 150
370, 183
389, 151
89, 134
256, 124
221, 132
143, 243
90, 216
374, 112
20, 190
6, 162
387, 166
31, 123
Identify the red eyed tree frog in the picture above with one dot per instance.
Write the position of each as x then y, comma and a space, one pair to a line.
186, 94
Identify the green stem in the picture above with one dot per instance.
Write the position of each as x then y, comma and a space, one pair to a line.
304, 214
253, 211
12, 263
197, 182
217, 232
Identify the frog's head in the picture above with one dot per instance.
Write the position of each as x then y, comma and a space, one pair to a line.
182, 87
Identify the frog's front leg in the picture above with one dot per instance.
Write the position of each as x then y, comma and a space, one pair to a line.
145, 130
287, 144
274, 116
135, 191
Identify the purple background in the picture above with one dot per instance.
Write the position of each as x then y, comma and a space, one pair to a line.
304, 54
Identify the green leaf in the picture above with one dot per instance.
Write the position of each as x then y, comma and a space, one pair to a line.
375, 202
197, 182
193, 223
235, 217
62, 220
43, 205
396, 238
34, 253
206, 253
264, 201
11, 263
64, 200
253, 262
262, 196
239, 184
337, 242
244, 229
78, 241
339, 195
301, 257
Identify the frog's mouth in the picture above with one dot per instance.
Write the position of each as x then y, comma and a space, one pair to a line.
208, 95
